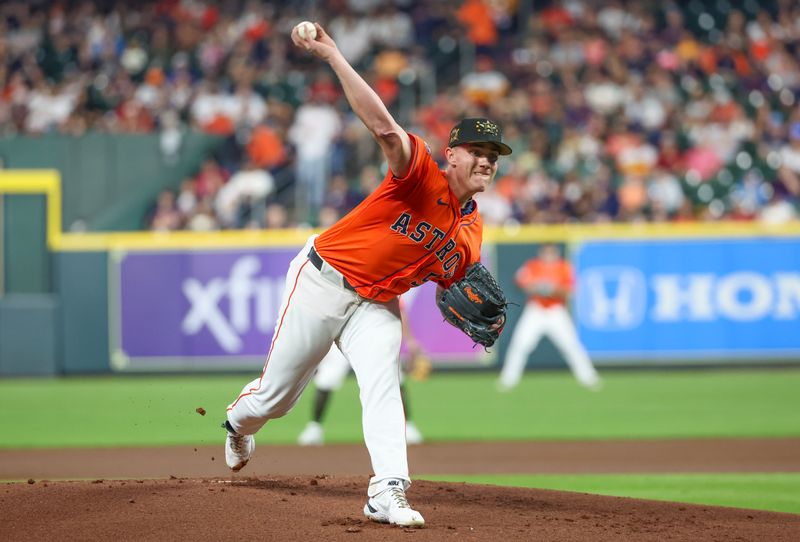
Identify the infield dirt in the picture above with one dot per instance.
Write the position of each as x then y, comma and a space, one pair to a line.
292, 494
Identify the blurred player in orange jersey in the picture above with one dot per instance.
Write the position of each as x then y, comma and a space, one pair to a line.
548, 281
333, 370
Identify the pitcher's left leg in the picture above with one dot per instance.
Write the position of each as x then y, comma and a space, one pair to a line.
371, 342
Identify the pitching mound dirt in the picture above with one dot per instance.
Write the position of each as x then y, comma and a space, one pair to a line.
329, 508
186, 493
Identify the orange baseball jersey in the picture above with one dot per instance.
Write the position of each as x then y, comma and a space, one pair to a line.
410, 230
558, 273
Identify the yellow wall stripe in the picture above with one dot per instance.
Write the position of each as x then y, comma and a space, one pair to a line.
532, 233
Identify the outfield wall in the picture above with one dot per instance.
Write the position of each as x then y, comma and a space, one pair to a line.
647, 295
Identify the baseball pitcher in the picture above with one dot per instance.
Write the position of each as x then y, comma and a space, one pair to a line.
421, 224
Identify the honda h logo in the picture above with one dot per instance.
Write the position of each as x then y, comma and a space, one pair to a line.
611, 298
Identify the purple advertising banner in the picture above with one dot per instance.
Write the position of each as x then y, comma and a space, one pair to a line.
217, 310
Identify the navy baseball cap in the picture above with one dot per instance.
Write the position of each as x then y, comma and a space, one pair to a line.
478, 130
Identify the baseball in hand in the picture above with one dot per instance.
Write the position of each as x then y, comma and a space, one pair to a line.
307, 28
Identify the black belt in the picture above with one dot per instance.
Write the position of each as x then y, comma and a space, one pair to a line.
316, 260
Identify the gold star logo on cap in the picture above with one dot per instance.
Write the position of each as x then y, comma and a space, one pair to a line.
454, 134
487, 127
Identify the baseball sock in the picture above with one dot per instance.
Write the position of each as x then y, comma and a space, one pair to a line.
320, 404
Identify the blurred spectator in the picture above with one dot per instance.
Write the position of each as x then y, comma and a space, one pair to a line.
477, 17
777, 211
340, 196
485, 84
664, 191
392, 28
266, 148
276, 217
49, 106
316, 125
352, 35
187, 198
495, 208
328, 216
790, 152
202, 218
165, 216
368, 181
243, 198
208, 110
209, 179
171, 137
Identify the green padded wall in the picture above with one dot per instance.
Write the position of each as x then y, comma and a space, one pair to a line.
29, 335
26, 262
82, 286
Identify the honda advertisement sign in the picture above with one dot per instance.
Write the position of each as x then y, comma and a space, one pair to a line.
217, 309
693, 300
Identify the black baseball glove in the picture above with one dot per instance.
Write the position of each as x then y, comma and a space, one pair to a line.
476, 305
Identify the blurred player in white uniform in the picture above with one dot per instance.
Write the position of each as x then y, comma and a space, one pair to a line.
548, 280
330, 376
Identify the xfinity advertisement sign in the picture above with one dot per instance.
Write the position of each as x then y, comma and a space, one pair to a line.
194, 309
689, 300
217, 309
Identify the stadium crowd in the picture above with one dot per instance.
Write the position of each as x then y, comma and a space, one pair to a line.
617, 110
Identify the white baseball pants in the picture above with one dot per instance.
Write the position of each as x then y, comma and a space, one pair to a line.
333, 369
555, 322
317, 310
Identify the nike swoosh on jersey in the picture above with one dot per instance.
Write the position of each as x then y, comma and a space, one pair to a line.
440, 201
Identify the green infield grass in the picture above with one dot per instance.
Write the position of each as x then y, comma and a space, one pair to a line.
777, 492
643, 404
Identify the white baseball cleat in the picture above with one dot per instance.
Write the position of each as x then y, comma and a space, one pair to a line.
413, 435
391, 506
238, 448
312, 435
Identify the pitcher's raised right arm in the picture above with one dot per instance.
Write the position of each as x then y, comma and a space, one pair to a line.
364, 101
